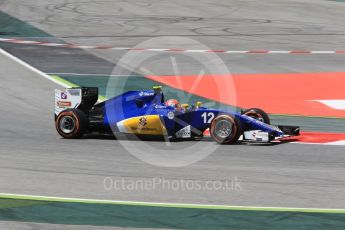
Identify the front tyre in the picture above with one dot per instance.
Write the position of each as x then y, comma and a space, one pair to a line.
225, 129
257, 114
71, 123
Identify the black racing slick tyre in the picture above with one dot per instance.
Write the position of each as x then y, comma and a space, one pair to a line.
225, 129
258, 114
71, 123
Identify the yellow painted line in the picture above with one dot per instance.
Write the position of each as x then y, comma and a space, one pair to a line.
102, 98
168, 205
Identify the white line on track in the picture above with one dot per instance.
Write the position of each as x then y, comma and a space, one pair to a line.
182, 50
33, 69
94, 74
334, 104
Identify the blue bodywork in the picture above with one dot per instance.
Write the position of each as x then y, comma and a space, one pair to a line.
149, 102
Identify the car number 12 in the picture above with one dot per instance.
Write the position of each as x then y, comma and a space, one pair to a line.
207, 117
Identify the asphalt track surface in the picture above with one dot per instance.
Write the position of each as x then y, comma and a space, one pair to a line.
229, 25
36, 161
11, 225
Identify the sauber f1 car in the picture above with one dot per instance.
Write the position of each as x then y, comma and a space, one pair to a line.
147, 113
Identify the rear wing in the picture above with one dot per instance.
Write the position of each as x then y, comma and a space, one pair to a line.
83, 98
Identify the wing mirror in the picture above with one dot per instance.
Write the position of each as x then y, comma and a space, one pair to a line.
198, 104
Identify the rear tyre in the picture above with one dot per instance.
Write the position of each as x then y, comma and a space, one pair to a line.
71, 123
225, 129
258, 114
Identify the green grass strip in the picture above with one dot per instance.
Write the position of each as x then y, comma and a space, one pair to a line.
63, 81
13, 27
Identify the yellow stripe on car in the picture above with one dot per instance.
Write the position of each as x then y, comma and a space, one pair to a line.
148, 125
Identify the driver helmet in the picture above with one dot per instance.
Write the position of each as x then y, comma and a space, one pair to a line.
173, 103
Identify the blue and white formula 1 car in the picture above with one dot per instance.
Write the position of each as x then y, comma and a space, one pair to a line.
147, 113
